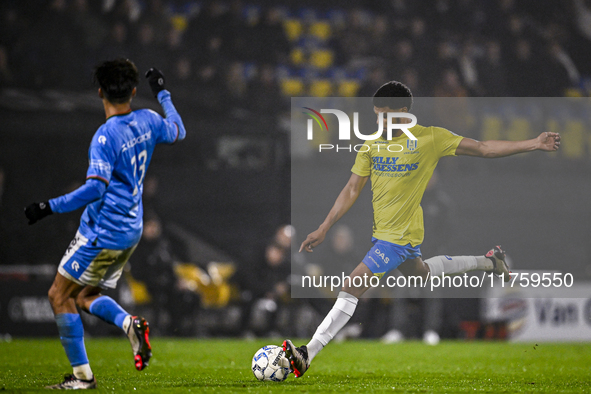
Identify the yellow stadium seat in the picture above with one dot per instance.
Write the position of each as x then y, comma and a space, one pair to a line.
492, 126
179, 22
320, 30
321, 88
348, 88
519, 128
297, 56
212, 285
322, 58
573, 92
573, 137
139, 290
292, 87
293, 29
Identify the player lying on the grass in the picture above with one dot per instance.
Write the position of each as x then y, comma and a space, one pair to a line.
111, 225
398, 217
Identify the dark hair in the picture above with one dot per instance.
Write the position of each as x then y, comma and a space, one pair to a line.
393, 95
117, 79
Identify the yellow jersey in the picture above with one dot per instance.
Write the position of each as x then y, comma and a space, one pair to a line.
399, 170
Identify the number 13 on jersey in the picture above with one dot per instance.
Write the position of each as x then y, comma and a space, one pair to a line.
141, 160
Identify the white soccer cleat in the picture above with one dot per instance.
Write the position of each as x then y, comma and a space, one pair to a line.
73, 383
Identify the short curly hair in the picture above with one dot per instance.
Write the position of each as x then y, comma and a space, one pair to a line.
117, 79
393, 95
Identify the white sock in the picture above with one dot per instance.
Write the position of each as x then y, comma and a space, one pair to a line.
83, 372
457, 265
126, 323
339, 315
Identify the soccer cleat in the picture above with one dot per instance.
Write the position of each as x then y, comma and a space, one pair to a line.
500, 267
297, 356
73, 383
138, 332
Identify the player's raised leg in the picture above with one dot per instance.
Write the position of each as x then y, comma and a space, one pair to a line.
71, 332
493, 261
136, 328
107, 309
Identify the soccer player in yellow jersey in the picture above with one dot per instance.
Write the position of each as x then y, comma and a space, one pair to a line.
398, 181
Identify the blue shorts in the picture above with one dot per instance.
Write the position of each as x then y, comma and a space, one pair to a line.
90, 265
385, 256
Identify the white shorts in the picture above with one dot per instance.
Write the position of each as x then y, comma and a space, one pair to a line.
89, 265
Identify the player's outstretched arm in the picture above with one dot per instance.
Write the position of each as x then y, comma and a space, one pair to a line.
344, 201
91, 191
548, 142
156, 81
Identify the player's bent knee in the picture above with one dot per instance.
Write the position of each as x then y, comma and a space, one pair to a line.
354, 291
423, 270
81, 301
56, 297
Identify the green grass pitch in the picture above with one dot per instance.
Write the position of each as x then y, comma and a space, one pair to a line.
222, 366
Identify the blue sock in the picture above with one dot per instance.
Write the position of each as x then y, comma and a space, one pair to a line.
107, 309
71, 333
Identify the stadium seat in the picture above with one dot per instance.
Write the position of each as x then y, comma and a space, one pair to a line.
293, 29
322, 58
139, 291
337, 17
320, 88
573, 92
212, 285
573, 139
307, 14
321, 30
348, 88
519, 128
292, 87
297, 56
179, 22
492, 125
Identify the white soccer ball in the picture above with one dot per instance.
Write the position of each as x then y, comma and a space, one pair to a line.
270, 364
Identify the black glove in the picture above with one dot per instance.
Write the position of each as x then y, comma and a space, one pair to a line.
37, 211
156, 80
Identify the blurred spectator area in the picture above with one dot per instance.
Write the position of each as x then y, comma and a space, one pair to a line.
230, 188
257, 54
232, 67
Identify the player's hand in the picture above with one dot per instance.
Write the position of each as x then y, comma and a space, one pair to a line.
156, 80
549, 142
314, 239
37, 211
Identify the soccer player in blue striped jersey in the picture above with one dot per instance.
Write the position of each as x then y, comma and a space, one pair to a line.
111, 225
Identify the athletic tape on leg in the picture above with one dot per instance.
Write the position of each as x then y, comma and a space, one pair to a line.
455, 265
346, 303
435, 266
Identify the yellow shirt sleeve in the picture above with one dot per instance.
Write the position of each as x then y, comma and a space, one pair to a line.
362, 166
445, 141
